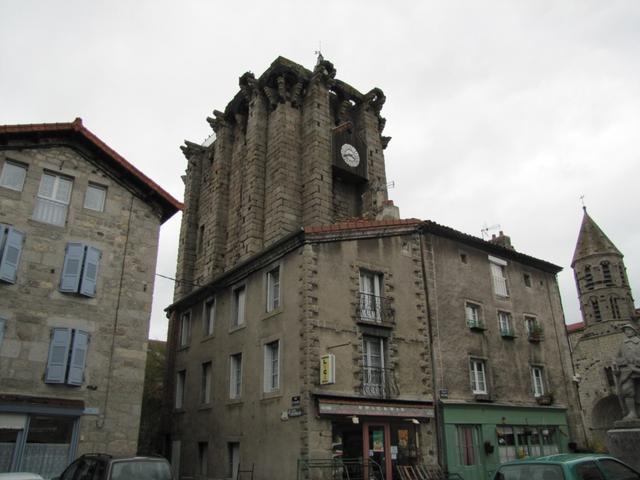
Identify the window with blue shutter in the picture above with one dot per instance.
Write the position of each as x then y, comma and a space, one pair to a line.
90, 272
58, 356
67, 356
80, 270
11, 241
78, 357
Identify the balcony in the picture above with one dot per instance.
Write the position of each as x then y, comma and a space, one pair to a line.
379, 382
535, 335
475, 324
374, 309
507, 332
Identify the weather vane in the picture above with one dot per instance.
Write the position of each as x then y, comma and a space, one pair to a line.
584, 207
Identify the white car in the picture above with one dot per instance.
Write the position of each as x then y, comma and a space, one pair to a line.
20, 476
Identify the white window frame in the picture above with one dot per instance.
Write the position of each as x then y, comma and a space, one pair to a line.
95, 188
185, 328
239, 296
473, 314
478, 376
505, 323
499, 276
273, 289
205, 382
209, 316
271, 367
181, 380
235, 376
537, 380
531, 322
4, 175
47, 204
370, 289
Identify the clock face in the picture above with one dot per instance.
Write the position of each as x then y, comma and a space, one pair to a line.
350, 155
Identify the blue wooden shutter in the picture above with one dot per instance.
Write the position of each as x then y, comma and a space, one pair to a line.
3, 323
58, 355
11, 255
70, 278
90, 272
3, 229
78, 358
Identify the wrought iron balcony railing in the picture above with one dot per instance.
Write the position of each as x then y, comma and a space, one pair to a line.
374, 309
475, 324
379, 382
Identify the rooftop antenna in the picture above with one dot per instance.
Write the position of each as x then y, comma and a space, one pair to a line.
486, 229
391, 184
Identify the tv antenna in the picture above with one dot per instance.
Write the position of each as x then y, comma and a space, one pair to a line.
486, 229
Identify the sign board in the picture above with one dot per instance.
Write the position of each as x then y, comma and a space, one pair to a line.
327, 369
295, 401
444, 393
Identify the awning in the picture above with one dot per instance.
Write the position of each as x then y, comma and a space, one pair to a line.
332, 406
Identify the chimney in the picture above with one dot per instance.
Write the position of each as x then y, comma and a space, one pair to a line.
502, 240
389, 211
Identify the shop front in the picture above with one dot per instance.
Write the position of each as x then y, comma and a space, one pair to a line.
37, 435
479, 437
373, 438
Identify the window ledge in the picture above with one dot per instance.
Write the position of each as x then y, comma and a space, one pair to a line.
271, 395
183, 348
272, 313
207, 338
234, 402
179, 410
39, 223
205, 407
482, 397
11, 192
237, 327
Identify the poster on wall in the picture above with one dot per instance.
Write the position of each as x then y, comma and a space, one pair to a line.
403, 438
378, 440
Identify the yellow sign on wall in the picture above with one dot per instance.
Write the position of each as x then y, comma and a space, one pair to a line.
327, 369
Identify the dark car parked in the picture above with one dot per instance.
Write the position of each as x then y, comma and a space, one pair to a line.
96, 466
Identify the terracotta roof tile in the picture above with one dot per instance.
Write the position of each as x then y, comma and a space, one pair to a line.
77, 126
574, 327
360, 224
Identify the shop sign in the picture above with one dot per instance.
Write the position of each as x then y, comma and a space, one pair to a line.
295, 401
444, 393
294, 412
336, 408
327, 369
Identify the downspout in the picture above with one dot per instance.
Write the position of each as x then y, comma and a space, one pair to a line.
439, 427
103, 416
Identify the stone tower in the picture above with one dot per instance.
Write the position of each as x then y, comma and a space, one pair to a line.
293, 148
601, 277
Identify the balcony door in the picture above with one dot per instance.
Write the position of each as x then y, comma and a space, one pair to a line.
370, 296
374, 353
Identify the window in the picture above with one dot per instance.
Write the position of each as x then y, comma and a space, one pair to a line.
615, 307
272, 366
80, 269
606, 274
506, 326
370, 296
499, 276
67, 356
617, 471
13, 175
233, 450
239, 295
478, 379
3, 322
235, 376
374, 362
537, 381
463, 257
533, 328
273, 289
180, 384
53, 198
185, 328
588, 471
623, 277
209, 316
205, 384
203, 458
11, 241
527, 280
94, 197
472, 314
588, 277
595, 306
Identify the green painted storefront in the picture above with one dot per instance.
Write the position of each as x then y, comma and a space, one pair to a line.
478, 437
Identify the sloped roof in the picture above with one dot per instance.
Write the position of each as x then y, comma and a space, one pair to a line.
574, 327
592, 240
77, 131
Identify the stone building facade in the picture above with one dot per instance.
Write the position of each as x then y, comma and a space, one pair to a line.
78, 243
606, 303
310, 323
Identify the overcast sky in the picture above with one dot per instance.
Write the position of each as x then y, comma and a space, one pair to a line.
501, 112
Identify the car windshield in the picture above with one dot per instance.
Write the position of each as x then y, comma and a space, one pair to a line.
140, 470
530, 471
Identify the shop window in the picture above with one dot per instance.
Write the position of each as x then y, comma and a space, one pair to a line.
11, 241
80, 269
499, 276
67, 356
273, 289
13, 175
53, 199
47, 446
467, 444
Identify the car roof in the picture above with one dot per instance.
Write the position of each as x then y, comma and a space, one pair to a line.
20, 476
561, 458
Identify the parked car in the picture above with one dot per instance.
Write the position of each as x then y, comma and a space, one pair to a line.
97, 466
567, 466
20, 476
